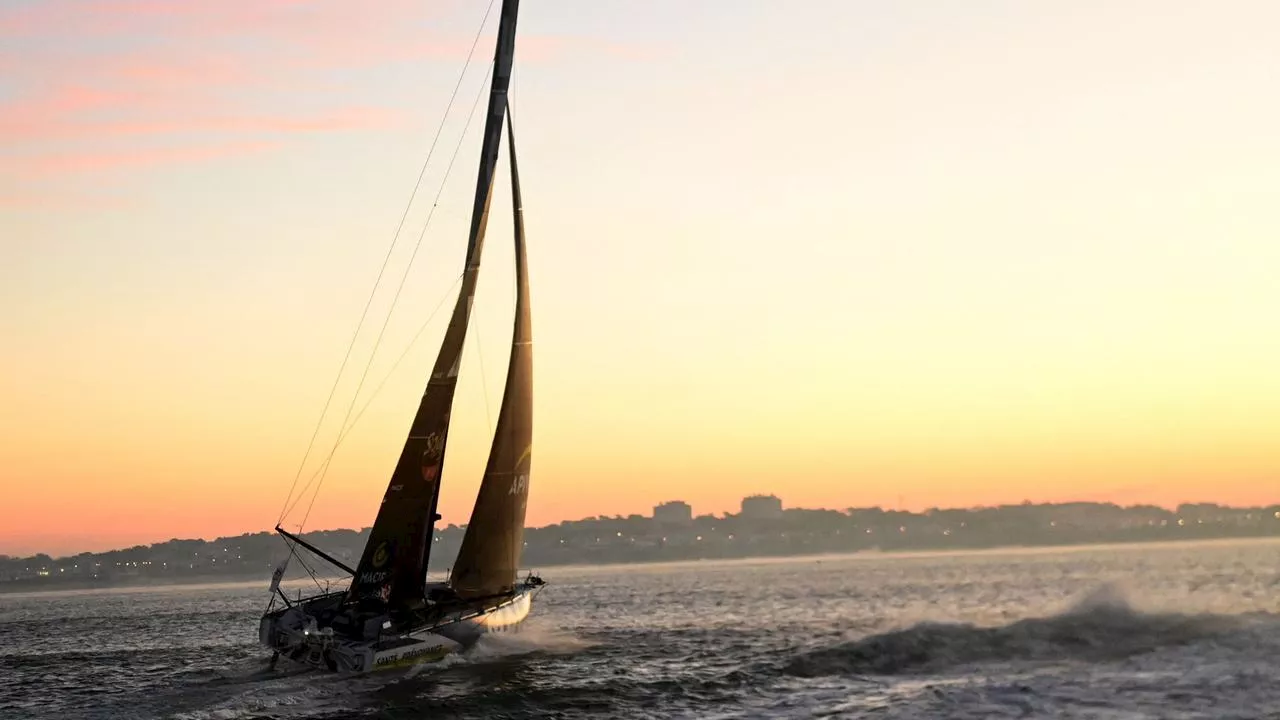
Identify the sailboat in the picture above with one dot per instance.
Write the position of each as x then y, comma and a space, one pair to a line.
390, 615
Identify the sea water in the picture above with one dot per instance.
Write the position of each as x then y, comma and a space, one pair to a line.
1171, 631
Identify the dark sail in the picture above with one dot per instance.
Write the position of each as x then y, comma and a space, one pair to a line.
490, 552
393, 566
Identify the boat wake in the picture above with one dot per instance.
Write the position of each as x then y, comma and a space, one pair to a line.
1101, 626
536, 635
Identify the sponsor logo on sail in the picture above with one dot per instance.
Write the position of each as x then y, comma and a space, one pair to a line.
519, 485
524, 456
380, 555
432, 448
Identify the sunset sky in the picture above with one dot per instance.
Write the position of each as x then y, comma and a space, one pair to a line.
853, 253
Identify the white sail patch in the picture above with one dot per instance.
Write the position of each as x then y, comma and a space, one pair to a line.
279, 573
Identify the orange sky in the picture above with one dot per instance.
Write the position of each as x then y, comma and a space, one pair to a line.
852, 255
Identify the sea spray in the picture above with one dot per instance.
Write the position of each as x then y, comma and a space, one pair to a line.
1102, 625
536, 635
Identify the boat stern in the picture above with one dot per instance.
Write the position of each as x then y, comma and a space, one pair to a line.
293, 633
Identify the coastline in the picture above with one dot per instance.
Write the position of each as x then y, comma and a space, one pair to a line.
42, 586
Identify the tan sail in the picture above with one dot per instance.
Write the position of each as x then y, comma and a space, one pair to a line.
490, 552
393, 566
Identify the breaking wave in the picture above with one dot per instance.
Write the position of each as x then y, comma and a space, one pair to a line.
1101, 626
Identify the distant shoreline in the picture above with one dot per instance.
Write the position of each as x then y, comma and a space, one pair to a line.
15, 587
42, 586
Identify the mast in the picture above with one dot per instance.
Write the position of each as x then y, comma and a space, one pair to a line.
490, 552
393, 566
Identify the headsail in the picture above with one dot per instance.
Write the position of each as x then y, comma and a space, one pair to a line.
490, 552
393, 566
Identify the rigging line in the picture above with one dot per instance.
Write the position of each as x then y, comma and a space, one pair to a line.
310, 572
403, 277
293, 550
343, 435
381, 271
413, 341
332, 390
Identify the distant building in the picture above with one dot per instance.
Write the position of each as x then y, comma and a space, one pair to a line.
758, 507
676, 512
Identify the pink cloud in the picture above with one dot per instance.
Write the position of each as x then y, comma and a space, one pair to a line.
97, 85
38, 197
87, 18
26, 199
174, 69
93, 162
68, 114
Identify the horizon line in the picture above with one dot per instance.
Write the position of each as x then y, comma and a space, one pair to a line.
726, 514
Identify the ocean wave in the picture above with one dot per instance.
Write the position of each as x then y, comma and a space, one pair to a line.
1101, 626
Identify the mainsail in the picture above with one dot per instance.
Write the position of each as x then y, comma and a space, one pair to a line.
490, 552
393, 566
